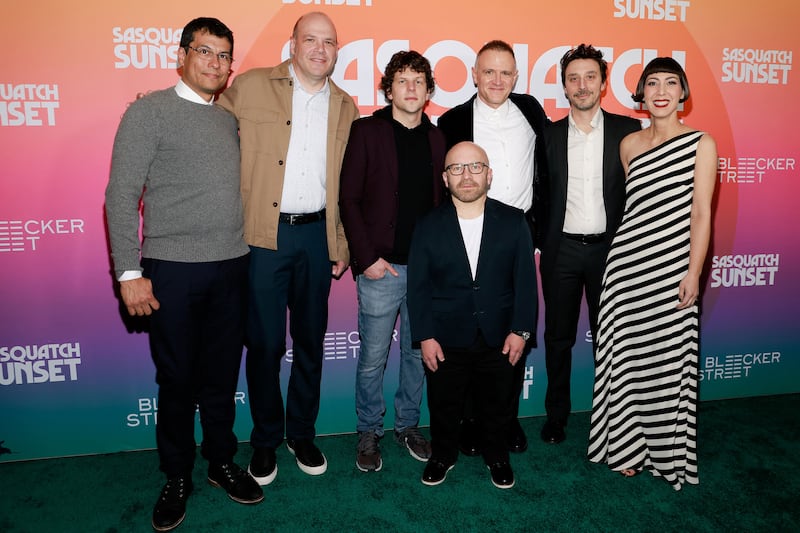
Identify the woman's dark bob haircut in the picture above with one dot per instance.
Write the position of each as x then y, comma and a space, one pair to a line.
660, 65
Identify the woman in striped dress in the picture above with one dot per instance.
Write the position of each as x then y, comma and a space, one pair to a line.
645, 391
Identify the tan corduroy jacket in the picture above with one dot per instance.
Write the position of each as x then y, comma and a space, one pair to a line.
261, 99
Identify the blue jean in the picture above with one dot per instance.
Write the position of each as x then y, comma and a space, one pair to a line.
379, 302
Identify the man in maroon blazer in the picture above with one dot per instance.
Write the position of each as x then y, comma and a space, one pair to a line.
389, 179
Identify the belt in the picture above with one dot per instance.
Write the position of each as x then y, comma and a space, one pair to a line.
585, 239
294, 219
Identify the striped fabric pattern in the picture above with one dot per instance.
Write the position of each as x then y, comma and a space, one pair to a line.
645, 391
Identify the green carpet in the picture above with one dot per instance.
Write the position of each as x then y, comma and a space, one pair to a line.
748, 464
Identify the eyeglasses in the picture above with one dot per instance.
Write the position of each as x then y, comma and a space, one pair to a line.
456, 169
207, 54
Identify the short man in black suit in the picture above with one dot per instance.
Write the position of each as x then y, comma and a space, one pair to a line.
509, 126
472, 303
585, 198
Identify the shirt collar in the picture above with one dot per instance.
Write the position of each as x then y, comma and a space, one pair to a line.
596, 122
186, 92
326, 89
500, 111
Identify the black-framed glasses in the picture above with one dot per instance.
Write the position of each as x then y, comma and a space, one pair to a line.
456, 169
208, 53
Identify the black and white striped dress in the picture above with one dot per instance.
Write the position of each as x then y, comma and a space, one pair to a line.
645, 390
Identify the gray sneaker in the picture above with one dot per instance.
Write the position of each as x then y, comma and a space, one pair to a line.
418, 446
368, 452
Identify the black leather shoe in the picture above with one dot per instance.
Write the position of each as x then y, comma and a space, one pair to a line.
170, 509
435, 472
517, 441
263, 466
469, 438
553, 432
309, 459
502, 475
239, 485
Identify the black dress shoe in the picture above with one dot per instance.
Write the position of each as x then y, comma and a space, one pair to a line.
170, 509
435, 472
239, 485
469, 438
502, 475
517, 441
263, 466
309, 459
553, 432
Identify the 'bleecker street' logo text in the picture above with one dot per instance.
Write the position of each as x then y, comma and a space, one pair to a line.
147, 411
22, 235
752, 169
736, 365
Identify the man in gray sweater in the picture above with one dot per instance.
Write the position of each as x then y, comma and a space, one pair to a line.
179, 154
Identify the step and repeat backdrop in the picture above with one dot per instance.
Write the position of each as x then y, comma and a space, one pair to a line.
75, 372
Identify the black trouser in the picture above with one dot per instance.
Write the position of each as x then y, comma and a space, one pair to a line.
297, 277
485, 374
578, 267
196, 340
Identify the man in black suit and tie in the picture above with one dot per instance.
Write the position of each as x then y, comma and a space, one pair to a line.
585, 198
509, 126
472, 304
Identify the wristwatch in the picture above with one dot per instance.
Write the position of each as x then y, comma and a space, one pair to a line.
524, 334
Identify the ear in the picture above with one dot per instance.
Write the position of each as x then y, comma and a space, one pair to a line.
488, 176
446, 182
474, 76
181, 56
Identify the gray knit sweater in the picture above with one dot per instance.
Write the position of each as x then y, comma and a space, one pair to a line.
185, 158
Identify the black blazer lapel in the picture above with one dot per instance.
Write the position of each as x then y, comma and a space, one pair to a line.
455, 240
490, 229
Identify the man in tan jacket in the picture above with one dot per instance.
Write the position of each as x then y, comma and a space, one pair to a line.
293, 124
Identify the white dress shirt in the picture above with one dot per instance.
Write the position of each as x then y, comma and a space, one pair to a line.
304, 178
472, 233
586, 212
509, 140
